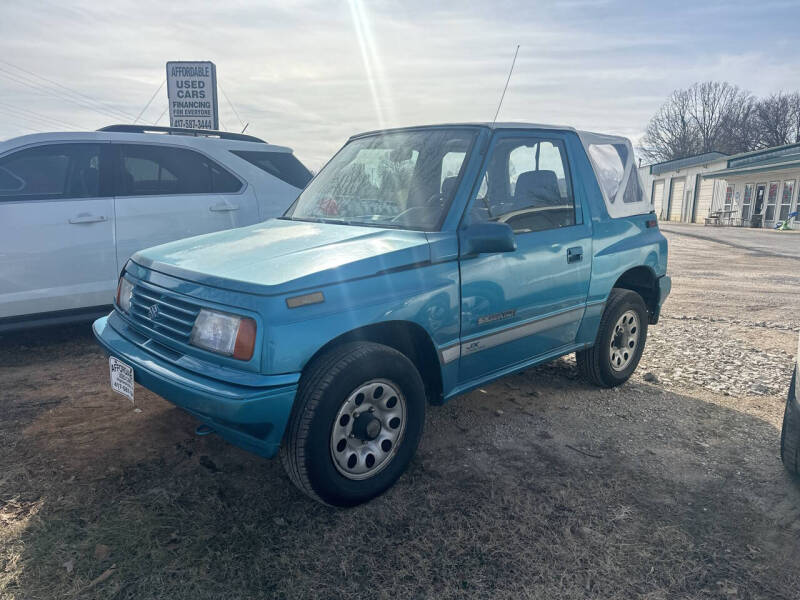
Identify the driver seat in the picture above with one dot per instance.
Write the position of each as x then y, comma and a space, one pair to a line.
536, 189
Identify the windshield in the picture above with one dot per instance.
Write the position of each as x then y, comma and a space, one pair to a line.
403, 179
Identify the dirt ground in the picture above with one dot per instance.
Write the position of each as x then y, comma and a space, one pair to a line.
538, 486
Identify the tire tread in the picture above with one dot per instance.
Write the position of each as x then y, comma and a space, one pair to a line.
309, 395
589, 360
790, 432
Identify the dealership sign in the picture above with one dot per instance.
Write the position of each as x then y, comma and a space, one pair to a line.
192, 93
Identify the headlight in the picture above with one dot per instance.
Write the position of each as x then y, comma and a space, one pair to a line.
224, 333
124, 291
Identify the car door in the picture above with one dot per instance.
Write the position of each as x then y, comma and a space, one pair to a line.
56, 223
165, 193
528, 303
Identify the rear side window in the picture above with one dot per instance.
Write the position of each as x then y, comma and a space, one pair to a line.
53, 171
163, 170
282, 165
609, 162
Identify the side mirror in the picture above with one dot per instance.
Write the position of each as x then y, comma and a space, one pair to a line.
484, 238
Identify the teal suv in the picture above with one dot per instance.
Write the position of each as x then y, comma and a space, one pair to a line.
418, 264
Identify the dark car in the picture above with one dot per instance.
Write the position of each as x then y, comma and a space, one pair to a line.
790, 433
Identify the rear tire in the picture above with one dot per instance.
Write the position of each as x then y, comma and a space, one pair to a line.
620, 341
355, 425
790, 432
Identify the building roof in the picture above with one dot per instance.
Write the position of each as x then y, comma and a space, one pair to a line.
684, 163
757, 161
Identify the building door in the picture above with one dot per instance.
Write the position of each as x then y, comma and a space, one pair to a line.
786, 200
689, 197
747, 203
658, 198
676, 199
772, 201
761, 190
704, 199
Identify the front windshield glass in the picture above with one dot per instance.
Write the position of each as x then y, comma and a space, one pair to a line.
403, 179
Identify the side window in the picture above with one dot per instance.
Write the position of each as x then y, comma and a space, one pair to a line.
223, 182
609, 163
526, 185
53, 172
164, 170
283, 165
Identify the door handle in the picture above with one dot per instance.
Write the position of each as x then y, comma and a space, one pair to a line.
87, 219
574, 254
223, 207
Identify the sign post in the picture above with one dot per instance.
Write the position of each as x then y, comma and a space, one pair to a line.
192, 94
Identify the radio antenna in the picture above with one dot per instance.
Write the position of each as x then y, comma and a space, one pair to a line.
503, 95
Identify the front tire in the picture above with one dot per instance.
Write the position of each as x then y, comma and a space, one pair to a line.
790, 432
355, 425
620, 341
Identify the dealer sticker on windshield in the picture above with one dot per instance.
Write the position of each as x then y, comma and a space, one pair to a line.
121, 377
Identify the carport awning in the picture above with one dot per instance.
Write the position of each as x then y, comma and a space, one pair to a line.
775, 166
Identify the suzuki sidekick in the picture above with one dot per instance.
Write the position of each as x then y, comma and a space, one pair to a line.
419, 264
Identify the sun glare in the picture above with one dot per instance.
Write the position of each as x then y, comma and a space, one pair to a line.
381, 97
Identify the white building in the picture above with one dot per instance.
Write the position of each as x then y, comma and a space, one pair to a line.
752, 189
679, 190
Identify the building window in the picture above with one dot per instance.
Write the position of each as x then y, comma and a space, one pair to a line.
728, 198
747, 201
786, 200
772, 199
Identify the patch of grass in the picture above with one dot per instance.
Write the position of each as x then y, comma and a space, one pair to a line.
540, 529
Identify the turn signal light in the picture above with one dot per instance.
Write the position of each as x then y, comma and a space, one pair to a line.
245, 340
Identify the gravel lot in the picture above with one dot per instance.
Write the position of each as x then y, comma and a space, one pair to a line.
538, 486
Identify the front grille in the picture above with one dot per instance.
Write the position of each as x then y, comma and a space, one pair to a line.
163, 313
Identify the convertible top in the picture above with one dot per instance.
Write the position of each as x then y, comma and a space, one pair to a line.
614, 166
611, 157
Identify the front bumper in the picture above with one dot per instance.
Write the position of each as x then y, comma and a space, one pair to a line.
253, 418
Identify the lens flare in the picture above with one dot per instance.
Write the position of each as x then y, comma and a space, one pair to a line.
381, 97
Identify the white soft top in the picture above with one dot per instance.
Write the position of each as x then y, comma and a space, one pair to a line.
615, 168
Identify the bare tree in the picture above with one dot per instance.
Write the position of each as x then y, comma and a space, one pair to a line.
794, 102
741, 132
777, 122
670, 133
705, 117
712, 105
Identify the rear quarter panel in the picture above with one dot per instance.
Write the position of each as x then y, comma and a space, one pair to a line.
618, 245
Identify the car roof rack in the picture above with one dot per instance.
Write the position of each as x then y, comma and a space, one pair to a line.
224, 135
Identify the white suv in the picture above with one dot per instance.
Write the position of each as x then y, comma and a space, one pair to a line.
75, 206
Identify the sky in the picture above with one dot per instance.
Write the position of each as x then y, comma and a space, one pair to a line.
308, 74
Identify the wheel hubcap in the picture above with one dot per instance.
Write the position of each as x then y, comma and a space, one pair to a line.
368, 429
624, 340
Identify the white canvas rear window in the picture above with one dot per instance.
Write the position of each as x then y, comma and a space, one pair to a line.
609, 167
614, 166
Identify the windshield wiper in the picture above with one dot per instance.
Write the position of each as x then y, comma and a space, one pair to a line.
318, 220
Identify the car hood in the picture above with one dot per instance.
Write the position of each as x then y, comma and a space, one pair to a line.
279, 256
